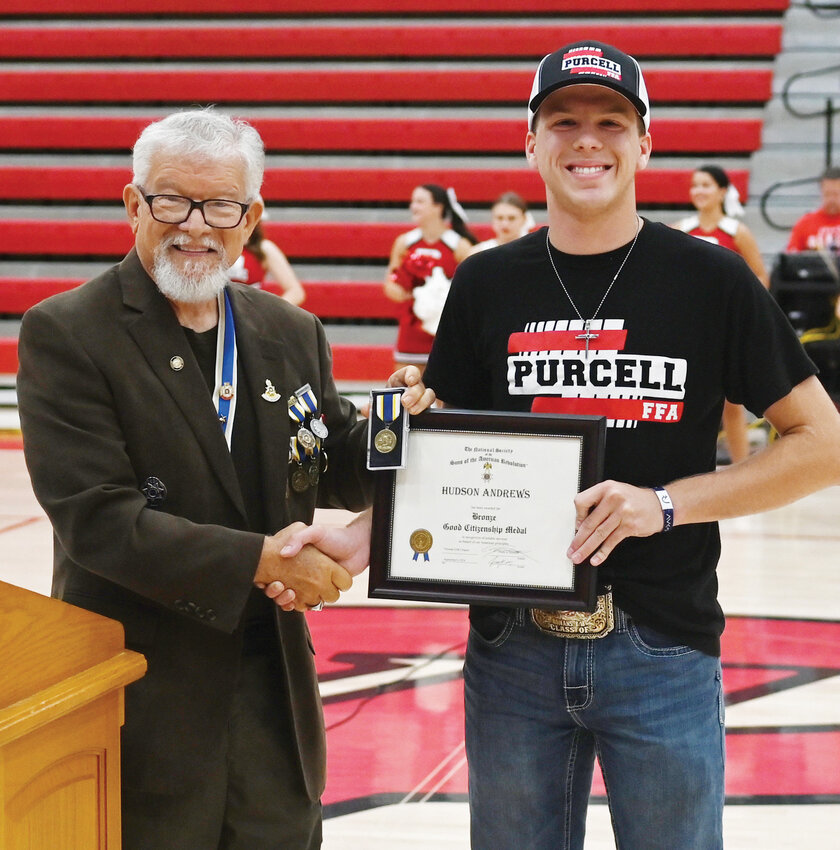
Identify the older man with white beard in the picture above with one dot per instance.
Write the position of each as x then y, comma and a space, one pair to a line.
174, 424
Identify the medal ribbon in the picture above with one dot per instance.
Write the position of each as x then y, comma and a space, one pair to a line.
294, 450
297, 412
304, 403
306, 399
388, 407
226, 362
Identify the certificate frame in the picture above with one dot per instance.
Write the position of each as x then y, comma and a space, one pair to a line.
433, 434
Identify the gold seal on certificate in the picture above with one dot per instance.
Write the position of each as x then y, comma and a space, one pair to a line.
385, 441
420, 542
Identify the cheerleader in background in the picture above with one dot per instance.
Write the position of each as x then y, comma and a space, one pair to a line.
718, 205
262, 260
422, 263
510, 219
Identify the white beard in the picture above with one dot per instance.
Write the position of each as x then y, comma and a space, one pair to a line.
191, 284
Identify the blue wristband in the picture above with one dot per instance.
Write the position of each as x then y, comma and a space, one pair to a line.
667, 508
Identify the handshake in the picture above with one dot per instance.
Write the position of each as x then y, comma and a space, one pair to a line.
302, 566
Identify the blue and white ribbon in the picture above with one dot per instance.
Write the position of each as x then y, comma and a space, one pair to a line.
226, 362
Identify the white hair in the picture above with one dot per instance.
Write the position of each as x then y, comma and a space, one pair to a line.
202, 134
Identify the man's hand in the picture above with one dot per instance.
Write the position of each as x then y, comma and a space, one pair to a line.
348, 545
301, 581
609, 512
418, 396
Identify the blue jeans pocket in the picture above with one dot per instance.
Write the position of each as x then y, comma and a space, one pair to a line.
652, 642
492, 625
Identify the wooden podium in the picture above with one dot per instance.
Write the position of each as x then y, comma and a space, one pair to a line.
62, 675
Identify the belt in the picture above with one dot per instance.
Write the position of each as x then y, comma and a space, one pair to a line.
585, 625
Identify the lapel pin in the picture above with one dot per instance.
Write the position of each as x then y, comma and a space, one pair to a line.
270, 393
176, 363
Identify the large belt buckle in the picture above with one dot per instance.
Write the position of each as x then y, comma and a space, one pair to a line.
586, 625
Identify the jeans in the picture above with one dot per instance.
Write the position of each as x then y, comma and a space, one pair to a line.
540, 708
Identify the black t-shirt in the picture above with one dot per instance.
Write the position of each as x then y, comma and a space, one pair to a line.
685, 325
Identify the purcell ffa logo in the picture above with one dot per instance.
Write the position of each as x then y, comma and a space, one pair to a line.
590, 60
572, 375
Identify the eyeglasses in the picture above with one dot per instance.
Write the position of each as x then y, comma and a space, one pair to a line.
176, 209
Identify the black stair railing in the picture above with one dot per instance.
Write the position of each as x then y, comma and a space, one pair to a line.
820, 10
829, 110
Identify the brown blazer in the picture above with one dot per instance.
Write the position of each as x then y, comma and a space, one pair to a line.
102, 411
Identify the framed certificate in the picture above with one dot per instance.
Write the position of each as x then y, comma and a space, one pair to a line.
483, 511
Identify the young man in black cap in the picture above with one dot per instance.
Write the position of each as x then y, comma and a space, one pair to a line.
604, 313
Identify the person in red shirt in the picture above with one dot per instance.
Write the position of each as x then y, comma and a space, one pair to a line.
820, 230
718, 208
717, 203
261, 259
430, 251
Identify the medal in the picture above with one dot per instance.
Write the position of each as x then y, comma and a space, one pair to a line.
388, 408
299, 479
387, 436
313, 472
307, 439
226, 391
385, 441
318, 428
302, 405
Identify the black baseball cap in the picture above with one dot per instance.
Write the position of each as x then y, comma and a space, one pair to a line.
590, 63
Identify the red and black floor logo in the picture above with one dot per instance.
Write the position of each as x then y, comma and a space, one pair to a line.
393, 702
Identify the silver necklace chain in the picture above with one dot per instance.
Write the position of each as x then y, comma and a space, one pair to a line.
615, 278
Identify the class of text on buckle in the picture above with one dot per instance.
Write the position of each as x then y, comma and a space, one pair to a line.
586, 625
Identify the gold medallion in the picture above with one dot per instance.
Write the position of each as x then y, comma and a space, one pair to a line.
420, 541
385, 441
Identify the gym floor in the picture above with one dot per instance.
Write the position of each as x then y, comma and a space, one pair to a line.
392, 688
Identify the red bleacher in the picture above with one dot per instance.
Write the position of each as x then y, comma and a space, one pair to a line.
341, 185
113, 239
241, 8
329, 299
181, 56
350, 362
380, 135
456, 86
307, 40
